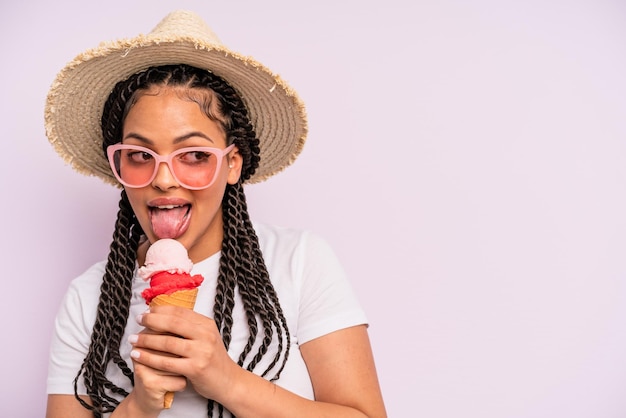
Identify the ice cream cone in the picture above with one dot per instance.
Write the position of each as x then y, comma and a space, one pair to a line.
167, 267
184, 298
167, 401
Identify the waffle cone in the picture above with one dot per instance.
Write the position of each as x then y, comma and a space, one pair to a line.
184, 298
169, 398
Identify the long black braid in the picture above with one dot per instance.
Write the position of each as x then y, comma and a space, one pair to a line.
242, 266
113, 310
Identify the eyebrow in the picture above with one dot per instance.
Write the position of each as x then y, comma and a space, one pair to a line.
177, 140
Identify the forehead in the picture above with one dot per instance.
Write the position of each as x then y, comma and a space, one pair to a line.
166, 97
167, 118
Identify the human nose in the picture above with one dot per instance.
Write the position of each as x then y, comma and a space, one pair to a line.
164, 178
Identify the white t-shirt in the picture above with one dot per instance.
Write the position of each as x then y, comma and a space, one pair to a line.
313, 290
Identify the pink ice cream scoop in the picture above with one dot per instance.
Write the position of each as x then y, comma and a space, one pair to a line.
167, 267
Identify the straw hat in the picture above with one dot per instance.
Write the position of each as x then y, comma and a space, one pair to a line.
77, 96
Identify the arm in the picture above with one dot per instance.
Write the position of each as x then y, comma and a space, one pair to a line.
62, 406
344, 379
342, 369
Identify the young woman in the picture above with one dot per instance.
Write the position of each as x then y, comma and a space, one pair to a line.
180, 123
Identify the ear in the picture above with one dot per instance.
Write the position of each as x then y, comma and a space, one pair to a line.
234, 160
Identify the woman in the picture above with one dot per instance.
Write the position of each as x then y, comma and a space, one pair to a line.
276, 331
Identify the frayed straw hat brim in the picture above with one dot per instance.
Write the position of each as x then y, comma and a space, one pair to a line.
75, 101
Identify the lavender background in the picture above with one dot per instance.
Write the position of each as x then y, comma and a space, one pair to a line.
466, 160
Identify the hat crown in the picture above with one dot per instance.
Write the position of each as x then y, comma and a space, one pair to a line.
184, 24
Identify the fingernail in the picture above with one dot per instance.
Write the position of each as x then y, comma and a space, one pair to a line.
134, 354
133, 338
139, 317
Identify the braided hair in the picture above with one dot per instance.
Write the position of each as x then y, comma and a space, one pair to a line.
241, 263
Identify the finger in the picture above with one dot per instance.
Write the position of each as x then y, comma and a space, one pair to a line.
155, 383
161, 344
174, 311
159, 322
171, 363
177, 321
146, 372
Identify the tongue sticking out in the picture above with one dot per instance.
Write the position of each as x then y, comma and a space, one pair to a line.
169, 223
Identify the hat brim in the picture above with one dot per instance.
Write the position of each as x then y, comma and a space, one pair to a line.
76, 99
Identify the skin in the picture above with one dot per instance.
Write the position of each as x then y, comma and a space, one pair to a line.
340, 364
166, 123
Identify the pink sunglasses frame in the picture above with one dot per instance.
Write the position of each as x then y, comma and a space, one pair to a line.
167, 159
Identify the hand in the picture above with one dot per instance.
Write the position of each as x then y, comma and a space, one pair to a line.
180, 342
151, 384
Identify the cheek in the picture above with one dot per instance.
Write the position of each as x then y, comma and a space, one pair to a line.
208, 203
140, 210
210, 200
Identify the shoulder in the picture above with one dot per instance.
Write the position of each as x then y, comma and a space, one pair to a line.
296, 255
273, 238
271, 234
300, 254
83, 292
90, 278
77, 311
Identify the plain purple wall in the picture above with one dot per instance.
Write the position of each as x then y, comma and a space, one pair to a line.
467, 161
